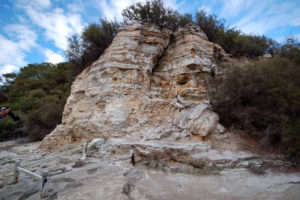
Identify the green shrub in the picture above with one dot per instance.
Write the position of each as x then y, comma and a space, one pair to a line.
41, 121
290, 49
8, 129
38, 95
184, 20
263, 98
151, 12
291, 137
210, 24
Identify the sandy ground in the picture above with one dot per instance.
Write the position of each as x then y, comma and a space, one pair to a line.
121, 180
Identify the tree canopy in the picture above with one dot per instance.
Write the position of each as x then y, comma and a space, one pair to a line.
85, 49
37, 94
151, 12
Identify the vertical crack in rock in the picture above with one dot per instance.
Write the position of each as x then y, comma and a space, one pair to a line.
158, 59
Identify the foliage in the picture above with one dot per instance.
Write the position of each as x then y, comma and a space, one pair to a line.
37, 94
232, 40
9, 129
290, 49
210, 24
264, 98
84, 50
151, 12
184, 20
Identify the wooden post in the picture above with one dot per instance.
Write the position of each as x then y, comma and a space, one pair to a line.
16, 172
132, 157
44, 184
84, 150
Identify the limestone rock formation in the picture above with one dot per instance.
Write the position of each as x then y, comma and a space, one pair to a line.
150, 84
147, 94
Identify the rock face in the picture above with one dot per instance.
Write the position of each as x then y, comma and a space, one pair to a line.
148, 93
150, 84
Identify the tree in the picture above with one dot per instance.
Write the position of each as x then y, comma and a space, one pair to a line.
74, 51
210, 24
151, 12
84, 50
291, 49
185, 19
37, 94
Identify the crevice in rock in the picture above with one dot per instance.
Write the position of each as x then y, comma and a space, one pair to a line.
132, 159
172, 38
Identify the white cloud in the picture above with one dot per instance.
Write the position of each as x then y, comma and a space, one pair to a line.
8, 69
231, 8
13, 52
10, 52
295, 22
297, 36
112, 9
43, 3
56, 23
261, 17
36, 4
206, 9
256, 10
172, 4
77, 6
24, 35
53, 57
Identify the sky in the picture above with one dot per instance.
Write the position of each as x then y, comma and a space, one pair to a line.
36, 31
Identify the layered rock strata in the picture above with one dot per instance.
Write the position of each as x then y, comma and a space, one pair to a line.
149, 85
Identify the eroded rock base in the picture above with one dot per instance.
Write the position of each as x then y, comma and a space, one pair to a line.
162, 170
120, 181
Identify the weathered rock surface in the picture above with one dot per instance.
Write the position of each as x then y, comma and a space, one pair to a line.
239, 175
148, 83
148, 93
